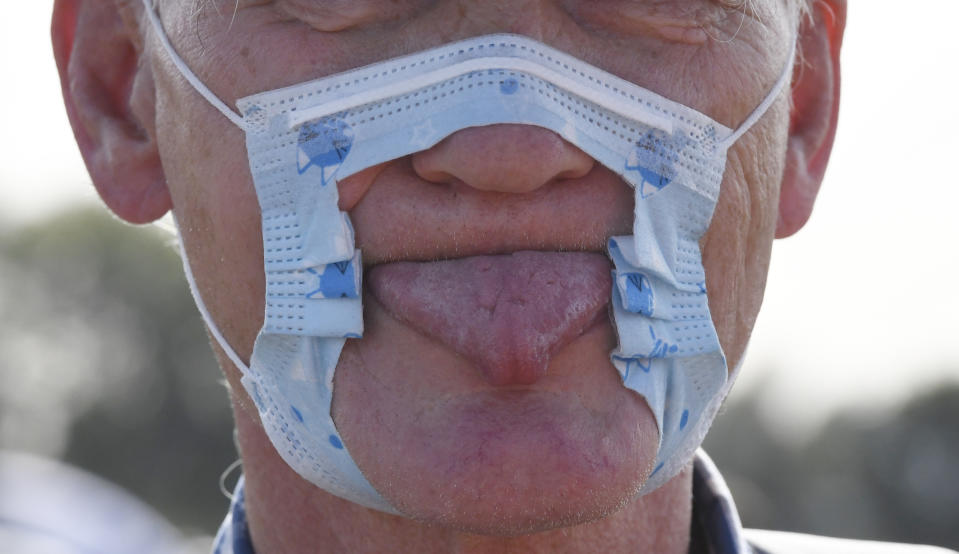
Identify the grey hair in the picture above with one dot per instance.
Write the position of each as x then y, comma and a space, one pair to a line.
805, 6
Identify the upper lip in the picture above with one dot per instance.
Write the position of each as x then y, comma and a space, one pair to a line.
403, 217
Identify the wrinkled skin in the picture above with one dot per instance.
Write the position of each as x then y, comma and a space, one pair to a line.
552, 464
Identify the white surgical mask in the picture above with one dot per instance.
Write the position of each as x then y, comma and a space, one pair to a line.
302, 139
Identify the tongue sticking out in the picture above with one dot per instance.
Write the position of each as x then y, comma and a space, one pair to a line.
506, 314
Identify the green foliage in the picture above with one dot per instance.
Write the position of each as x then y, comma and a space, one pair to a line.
106, 343
887, 477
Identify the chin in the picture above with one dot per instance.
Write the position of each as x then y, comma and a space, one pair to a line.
510, 509
521, 462
519, 497
446, 447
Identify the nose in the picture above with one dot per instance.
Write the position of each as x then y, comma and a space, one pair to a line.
502, 158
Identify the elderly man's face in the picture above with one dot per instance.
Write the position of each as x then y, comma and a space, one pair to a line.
488, 451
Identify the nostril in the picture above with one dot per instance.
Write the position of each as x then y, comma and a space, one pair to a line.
502, 158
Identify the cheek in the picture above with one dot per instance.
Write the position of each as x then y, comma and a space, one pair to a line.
736, 247
207, 172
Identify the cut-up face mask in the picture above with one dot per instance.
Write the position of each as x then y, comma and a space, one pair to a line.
301, 140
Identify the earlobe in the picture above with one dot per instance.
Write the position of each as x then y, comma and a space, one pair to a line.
815, 113
109, 97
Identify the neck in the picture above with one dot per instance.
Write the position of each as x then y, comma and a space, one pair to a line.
288, 514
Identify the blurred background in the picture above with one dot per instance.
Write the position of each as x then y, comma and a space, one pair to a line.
845, 421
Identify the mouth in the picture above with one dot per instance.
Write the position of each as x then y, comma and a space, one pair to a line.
403, 218
507, 314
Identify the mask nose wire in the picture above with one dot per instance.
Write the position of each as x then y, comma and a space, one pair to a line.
238, 120
763, 106
201, 88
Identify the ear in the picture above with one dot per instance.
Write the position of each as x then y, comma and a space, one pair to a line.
109, 96
815, 112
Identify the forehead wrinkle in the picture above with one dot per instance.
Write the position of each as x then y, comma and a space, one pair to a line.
199, 6
688, 21
769, 23
761, 11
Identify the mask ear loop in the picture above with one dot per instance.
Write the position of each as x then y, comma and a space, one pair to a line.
763, 106
238, 120
204, 313
201, 88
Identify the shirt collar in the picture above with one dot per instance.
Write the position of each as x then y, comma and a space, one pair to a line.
234, 534
716, 528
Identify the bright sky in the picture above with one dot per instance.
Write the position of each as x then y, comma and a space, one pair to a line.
861, 308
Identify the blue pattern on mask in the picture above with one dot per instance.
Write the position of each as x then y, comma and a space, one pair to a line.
639, 294
642, 363
661, 348
323, 144
653, 158
338, 280
652, 181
